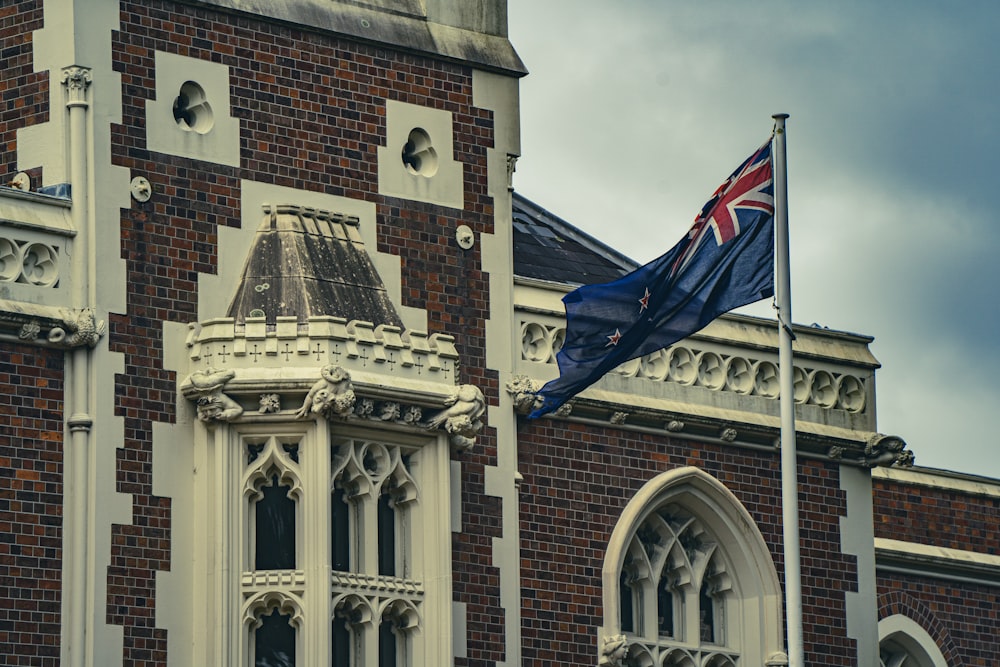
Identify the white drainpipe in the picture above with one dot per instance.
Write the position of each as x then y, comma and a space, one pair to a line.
77, 455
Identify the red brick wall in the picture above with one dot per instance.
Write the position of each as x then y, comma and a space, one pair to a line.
311, 112
961, 617
31, 486
24, 93
577, 481
937, 517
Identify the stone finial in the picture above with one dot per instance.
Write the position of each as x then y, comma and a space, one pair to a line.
332, 396
461, 417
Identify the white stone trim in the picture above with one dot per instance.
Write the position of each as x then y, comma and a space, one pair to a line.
221, 143
934, 479
931, 556
500, 94
446, 186
857, 530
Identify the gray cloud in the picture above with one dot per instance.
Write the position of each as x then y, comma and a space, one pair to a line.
635, 111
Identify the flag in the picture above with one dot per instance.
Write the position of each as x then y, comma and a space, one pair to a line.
725, 261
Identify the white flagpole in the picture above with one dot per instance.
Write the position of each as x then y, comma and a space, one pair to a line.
789, 477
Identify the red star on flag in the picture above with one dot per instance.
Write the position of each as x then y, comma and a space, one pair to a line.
614, 338
644, 301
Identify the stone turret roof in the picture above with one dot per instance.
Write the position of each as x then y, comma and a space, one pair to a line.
309, 263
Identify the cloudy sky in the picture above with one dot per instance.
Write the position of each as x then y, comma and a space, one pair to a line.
636, 110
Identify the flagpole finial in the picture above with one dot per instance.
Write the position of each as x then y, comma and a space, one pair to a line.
779, 116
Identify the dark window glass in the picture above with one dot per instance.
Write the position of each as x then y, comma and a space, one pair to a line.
274, 642
386, 536
386, 645
706, 616
625, 602
341, 531
664, 608
275, 542
341, 643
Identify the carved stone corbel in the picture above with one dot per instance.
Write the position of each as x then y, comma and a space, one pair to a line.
332, 396
613, 650
461, 417
524, 394
213, 405
886, 450
80, 327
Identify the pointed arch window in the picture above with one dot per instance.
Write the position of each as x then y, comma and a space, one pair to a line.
904, 643
689, 580
364, 594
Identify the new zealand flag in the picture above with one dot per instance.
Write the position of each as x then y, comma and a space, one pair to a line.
725, 261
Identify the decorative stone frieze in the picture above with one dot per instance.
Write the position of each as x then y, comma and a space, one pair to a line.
384, 376
28, 262
733, 373
353, 346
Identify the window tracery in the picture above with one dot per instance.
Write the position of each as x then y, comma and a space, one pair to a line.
689, 580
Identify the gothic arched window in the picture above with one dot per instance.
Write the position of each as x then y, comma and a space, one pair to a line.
689, 580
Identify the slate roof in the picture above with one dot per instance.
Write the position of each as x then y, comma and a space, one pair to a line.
548, 248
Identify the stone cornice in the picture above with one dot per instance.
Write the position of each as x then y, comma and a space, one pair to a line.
942, 480
935, 561
409, 30
331, 369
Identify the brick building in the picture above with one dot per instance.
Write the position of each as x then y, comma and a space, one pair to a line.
270, 318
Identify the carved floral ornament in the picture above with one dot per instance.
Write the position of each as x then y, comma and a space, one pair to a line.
333, 397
